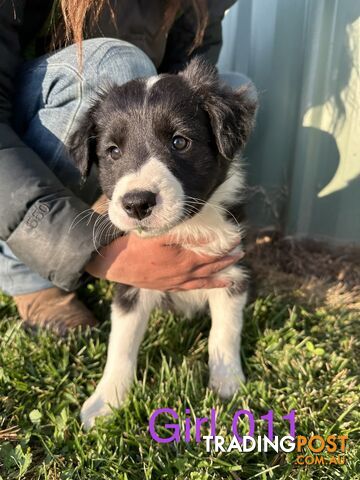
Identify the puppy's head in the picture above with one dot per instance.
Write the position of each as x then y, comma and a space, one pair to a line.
163, 145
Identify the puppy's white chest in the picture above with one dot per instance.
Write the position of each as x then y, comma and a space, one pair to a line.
209, 232
214, 234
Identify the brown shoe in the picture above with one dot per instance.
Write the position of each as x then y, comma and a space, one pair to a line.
54, 309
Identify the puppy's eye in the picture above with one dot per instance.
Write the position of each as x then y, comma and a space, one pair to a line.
114, 152
179, 143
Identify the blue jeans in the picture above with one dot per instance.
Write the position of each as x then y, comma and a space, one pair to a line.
51, 95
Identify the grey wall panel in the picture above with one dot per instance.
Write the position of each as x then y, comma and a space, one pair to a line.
303, 160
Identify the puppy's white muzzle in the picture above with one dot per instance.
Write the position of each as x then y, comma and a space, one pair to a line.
150, 199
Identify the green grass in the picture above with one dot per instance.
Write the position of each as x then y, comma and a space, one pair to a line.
294, 357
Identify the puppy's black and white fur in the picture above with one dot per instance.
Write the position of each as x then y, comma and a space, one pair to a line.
168, 152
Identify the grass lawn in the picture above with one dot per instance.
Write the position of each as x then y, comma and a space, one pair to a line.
295, 357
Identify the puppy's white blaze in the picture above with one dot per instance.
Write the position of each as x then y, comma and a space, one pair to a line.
155, 177
150, 82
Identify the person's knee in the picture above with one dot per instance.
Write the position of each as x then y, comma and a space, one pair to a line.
115, 60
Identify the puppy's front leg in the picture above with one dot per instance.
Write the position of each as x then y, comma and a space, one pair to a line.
130, 313
226, 372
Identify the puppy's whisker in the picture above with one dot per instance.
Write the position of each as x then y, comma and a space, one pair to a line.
97, 223
220, 208
189, 211
101, 204
190, 208
111, 233
102, 226
80, 217
96, 233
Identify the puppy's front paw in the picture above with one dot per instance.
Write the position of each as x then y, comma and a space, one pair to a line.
93, 407
226, 380
100, 404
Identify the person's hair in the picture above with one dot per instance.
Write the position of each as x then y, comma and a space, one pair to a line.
76, 12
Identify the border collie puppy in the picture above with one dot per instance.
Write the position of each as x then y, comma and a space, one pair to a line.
168, 152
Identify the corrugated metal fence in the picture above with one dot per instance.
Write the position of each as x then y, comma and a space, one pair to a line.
303, 160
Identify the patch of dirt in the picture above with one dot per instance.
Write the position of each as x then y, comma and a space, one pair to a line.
311, 271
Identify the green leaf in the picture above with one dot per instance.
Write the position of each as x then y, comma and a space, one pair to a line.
35, 416
22, 460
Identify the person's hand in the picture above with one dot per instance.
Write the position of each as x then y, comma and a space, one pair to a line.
156, 263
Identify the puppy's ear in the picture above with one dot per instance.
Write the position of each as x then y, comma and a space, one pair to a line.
82, 143
231, 112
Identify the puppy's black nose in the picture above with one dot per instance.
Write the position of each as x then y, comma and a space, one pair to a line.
138, 203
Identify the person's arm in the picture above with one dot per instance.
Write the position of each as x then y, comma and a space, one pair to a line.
182, 34
37, 211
